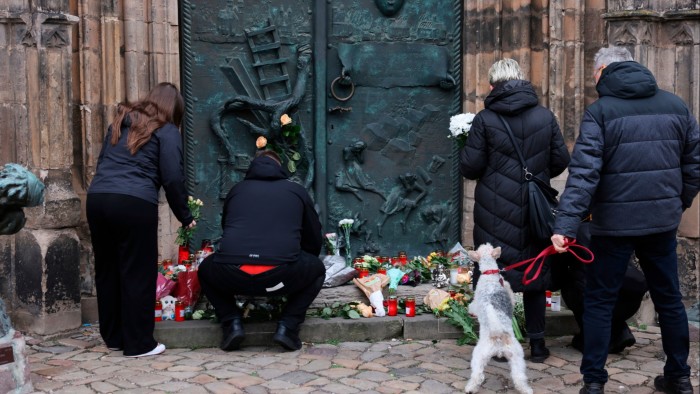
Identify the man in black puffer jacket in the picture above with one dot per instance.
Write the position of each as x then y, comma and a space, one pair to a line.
270, 247
636, 165
501, 197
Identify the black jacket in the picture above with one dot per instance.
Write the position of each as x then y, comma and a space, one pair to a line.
636, 162
500, 210
157, 163
268, 219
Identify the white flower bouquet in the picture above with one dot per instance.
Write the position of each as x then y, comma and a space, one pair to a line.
460, 125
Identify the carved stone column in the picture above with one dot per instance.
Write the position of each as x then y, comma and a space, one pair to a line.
42, 287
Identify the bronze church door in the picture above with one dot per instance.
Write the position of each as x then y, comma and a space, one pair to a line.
369, 87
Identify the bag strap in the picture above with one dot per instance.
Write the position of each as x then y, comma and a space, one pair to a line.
528, 174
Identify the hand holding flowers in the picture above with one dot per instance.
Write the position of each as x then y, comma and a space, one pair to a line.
185, 234
460, 125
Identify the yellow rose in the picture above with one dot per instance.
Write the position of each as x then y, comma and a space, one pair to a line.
261, 142
285, 120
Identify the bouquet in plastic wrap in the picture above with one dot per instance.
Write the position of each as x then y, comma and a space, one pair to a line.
372, 287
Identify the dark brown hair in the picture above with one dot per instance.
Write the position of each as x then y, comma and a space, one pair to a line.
163, 104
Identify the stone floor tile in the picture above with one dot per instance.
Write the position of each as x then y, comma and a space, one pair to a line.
339, 388
337, 373
360, 384
245, 381
372, 366
221, 388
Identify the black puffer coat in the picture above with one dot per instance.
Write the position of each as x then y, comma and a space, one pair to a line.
500, 210
636, 163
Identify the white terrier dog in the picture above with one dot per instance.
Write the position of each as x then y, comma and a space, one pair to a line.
493, 306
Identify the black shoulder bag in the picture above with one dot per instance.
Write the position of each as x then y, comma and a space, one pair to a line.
542, 198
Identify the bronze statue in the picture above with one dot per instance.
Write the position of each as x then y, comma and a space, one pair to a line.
389, 7
352, 178
399, 200
18, 188
275, 108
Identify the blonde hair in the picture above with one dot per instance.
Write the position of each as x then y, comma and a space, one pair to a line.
505, 70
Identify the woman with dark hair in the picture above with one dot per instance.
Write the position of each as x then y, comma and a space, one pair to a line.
501, 195
142, 151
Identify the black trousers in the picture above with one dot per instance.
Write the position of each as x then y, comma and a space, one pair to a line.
300, 282
124, 241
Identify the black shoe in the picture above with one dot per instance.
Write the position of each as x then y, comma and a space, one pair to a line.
673, 386
624, 340
233, 335
577, 342
538, 351
592, 388
288, 338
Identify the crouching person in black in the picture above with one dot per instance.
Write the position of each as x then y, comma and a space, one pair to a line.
270, 246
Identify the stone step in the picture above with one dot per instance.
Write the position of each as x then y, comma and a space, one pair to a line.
205, 333
198, 333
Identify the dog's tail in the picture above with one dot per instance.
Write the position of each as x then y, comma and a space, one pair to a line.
497, 332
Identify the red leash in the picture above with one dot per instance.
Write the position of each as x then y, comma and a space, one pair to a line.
538, 261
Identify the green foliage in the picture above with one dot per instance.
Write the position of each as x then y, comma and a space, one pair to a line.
458, 315
419, 265
184, 234
286, 146
346, 311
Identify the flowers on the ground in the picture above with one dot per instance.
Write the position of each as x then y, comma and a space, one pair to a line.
331, 240
345, 227
460, 125
170, 272
184, 234
370, 262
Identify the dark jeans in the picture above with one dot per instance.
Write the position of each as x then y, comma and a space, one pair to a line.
628, 301
604, 277
124, 239
300, 282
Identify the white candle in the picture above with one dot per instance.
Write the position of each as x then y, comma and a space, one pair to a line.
453, 276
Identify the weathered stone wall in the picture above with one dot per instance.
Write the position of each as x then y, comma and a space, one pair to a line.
36, 131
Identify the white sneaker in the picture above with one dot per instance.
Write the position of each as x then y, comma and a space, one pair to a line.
156, 350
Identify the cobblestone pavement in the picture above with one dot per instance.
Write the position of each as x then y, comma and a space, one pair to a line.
80, 363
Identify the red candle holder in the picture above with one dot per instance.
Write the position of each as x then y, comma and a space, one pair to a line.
410, 307
183, 253
392, 306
